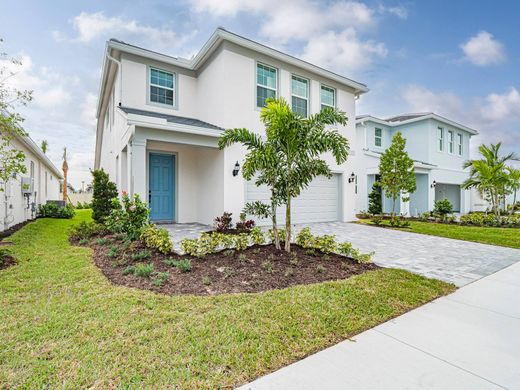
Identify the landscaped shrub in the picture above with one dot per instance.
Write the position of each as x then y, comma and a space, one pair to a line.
443, 207
85, 230
305, 239
257, 236
103, 192
223, 223
482, 219
141, 255
241, 241
245, 225
143, 270
128, 217
375, 204
425, 217
345, 248
156, 238
52, 210
326, 243
183, 265
376, 220
160, 278
281, 235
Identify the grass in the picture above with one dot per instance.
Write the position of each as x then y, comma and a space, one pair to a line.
509, 237
64, 325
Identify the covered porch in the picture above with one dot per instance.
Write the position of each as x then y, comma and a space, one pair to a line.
175, 167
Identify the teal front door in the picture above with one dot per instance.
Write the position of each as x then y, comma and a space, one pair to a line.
161, 187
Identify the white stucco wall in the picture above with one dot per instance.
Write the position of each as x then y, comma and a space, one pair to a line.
46, 187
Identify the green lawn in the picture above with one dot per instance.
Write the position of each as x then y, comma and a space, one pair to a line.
509, 237
64, 325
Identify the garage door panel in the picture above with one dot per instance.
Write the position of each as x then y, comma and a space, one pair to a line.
317, 203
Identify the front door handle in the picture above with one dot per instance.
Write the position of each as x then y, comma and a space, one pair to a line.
149, 196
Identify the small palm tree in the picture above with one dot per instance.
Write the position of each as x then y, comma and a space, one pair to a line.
293, 148
514, 184
44, 146
65, 168
488, 175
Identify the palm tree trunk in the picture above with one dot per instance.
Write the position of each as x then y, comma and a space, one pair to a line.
514, 204
275, 224
288, 224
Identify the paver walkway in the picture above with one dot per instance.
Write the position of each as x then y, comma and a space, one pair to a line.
467, 340
455, 261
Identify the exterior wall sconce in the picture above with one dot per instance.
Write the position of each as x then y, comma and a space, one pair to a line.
433, 184
236, 169
352, 177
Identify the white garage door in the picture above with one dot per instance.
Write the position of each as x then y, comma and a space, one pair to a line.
318, 203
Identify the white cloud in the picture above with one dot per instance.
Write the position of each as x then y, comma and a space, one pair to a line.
342, 51
496, 116
92, 26
483, 49
399, 11
88, 109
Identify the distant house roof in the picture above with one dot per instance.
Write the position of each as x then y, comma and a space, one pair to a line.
411, 118
172, 118
36, 150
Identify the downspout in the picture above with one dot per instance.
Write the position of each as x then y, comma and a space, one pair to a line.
119, 73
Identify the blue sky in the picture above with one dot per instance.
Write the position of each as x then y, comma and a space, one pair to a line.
457, 58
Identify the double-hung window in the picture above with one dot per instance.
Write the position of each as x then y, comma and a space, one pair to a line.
451, 142
266, 83
327, 97
459, 144
378, 137
300, 95
162, 87
440, 139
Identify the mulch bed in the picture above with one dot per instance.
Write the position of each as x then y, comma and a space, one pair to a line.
256, 269
13, 229
6, 262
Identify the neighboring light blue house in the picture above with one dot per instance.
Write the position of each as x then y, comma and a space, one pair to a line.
438, 147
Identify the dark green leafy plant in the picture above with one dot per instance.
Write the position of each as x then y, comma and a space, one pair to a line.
128, 216
183, 265
141, 255
143, 270
103, 192
85, 230
52, 210
375, 205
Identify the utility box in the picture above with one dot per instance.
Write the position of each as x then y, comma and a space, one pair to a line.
27, 185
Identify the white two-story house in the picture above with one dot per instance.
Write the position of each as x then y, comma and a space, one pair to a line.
159, 119
438, 147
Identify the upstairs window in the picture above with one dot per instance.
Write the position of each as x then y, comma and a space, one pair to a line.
266, 84
459, 144
300, 95
162, 87
378, 137
451, 141
327, 97
440, 139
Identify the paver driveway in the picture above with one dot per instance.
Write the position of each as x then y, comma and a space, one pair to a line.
456, 261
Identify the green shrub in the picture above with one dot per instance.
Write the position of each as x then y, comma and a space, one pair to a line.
425, 217
190, 246
102, 241
85, 230
113, 252
257, 236
103, 192
326, 243
129, 270
361, 258
156, 238
375, 204
305, 239
345, 248
183, 265
241, 241
141, 255
281, 235
128, 217
443, 207
160, 278
376, 220
143, 270
52, 210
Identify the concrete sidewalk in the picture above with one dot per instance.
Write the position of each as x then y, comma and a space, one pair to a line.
467, 340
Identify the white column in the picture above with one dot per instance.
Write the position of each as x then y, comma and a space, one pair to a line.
138, 169
405, 206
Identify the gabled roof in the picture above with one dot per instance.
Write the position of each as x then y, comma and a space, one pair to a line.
411, 118
209, 47
36, 150
172, 118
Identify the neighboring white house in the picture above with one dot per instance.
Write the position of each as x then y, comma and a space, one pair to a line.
24, 193
438, 147
159, 119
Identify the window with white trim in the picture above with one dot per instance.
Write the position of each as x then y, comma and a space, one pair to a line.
440, 139
451, 142
459, 144
327, 97
378, 137
266, 83
300, 95
162, 87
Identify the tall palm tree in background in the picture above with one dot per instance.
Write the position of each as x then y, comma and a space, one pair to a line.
514, 184
44, 146
65, 168
488, 175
